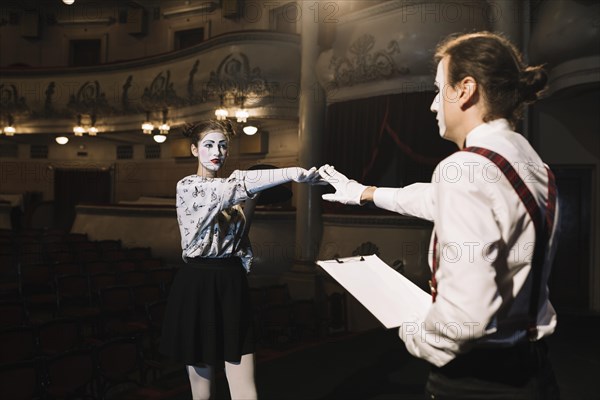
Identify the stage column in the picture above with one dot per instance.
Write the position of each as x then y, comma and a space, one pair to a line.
311, 122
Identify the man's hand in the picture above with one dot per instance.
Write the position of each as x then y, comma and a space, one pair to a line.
347, 191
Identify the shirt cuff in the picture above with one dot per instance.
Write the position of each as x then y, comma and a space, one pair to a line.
385, 198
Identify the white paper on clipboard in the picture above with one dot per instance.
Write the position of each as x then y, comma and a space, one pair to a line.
388, 295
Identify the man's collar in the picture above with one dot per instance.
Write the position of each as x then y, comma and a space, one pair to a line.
487, 128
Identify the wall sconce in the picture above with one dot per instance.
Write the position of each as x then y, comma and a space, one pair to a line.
62, 140
233, 83
241, 114
221, 113
92, 130
163, 129
9, 130
80, 128
147, 126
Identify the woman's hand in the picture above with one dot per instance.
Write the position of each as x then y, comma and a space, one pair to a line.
311, 176
259, 180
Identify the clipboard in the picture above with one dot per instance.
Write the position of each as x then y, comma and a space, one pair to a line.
389, 296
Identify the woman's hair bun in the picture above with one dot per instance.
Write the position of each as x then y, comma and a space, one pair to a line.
196, 130
533, 81
229, 128
188, 129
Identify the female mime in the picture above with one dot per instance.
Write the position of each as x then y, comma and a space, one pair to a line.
208, 319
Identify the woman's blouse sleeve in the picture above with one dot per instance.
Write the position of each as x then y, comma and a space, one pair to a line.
200, 200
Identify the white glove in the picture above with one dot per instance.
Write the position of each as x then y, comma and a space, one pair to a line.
347, 191
261, 179
301, 175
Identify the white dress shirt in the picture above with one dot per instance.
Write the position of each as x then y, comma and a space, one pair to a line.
485, 247
210, 219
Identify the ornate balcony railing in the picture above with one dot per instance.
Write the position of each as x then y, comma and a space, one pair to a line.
261, 66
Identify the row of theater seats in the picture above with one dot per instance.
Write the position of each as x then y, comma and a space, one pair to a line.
34, 267
79, 318
68, 310
281, 322
55, 360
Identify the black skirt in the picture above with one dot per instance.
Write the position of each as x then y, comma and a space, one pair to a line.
208, 318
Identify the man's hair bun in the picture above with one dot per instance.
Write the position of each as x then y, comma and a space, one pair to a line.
532, 83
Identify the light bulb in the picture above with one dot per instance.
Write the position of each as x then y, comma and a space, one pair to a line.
9, 130
147, 128
62, 140
93, 131
68, 2
159, 138
78, 131
221, 114
242, 115
164, 129
250, 130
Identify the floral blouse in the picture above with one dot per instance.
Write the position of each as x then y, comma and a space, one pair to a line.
211, 221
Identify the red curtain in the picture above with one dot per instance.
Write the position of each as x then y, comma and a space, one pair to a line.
365, 136
390, 140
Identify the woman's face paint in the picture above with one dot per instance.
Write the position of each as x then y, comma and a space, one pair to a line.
213, 151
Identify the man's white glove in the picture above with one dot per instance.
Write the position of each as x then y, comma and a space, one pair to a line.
347, 191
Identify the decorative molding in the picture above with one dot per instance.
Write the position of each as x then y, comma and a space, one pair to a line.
234, 79
186, 82
161, 93
387, 47
10, 101
366, 65
89, 99
192, 95
126, 105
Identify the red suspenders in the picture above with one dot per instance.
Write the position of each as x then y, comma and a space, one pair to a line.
543, 229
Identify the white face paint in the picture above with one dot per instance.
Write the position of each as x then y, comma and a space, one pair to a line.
438, 103
212, 151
